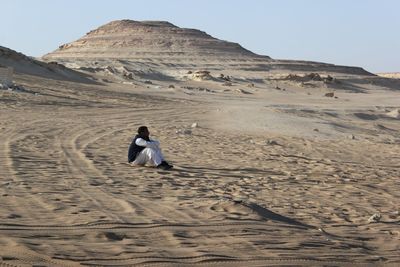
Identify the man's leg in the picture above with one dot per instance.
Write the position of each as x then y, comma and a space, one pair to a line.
154, 157
164, 164
140, 159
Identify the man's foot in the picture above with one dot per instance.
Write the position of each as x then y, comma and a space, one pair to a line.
165, 166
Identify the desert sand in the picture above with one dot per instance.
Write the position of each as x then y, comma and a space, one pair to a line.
297, 164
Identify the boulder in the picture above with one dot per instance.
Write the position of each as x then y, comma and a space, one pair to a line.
331, 94
394, 114
375, 218
201, 75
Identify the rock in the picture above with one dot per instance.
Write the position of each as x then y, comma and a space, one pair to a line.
184, 131
394, 114
227, 84
250, 85
272, 143
202, 75
352, 137
14, 216
243, 92
148, 82
189, 72
316, 130
314, 76
171, 86
195, 125
328, 79
375, 218
223, 77
114, 236
331, 94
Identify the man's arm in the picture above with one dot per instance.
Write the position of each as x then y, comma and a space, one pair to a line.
150, 144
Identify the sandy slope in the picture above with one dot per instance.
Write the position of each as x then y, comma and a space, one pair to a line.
394, 75
68, 198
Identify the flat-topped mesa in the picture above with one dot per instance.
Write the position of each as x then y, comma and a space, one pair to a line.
162, 46
128, 39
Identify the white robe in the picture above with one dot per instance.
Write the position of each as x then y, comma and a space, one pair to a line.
151, 154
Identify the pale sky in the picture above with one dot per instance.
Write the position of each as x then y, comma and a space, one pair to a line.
362, 33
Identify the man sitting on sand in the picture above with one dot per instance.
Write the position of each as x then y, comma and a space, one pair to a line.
144, 150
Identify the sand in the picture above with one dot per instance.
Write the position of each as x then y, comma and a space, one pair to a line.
269, 178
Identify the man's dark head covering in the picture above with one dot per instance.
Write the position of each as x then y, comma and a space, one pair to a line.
142, 129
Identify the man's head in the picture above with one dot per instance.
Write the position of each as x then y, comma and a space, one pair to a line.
143, 131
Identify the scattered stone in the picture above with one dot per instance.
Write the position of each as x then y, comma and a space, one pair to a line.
394, 114
223, 77
352, 137
184, 131
195, 125
202, 75
250, 85
113, 236
244, 92
148, 82
272, 143
375, 218
331, 94
328, 79
311, 77
200, 89
127, 75
314, 77
13, 216
307, 84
